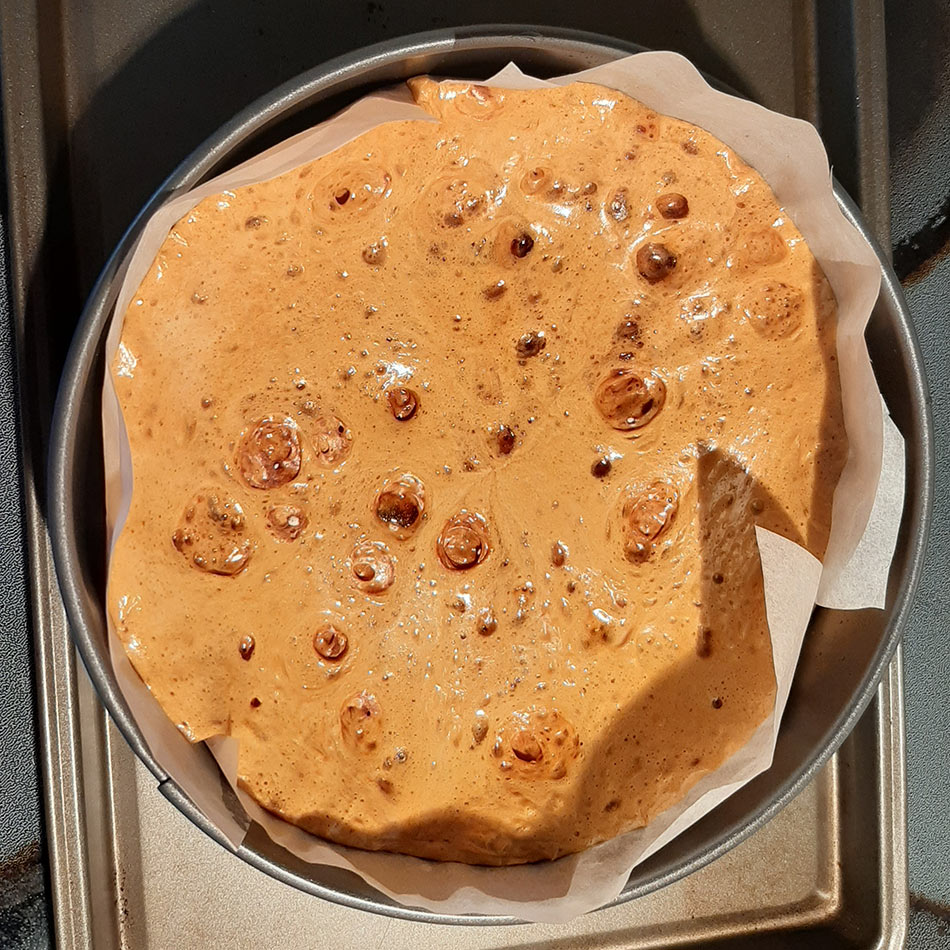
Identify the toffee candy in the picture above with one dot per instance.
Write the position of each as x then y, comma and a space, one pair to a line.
448, 451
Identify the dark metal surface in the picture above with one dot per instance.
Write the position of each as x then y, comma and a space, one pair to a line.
845, 652
919, 91
103, 97
22, 911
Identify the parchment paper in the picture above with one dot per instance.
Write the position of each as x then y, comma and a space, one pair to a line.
866, 514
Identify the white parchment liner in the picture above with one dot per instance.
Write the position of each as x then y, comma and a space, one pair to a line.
866, 515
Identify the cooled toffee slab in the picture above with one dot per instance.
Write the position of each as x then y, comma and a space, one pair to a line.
447, 450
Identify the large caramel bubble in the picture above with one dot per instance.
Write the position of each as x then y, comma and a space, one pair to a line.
213, 536
655, 262
361, 721
763, 247
774, 309
511, 241
478, 102
330, 643
530, 344
332, 440
536, 180
646, 516
401, 503
627, 400
373, 567
456, 200
539, 743
286, 522
403, 403
503, 438
526, 746
463, 542
672, 205
355, 188
268, 454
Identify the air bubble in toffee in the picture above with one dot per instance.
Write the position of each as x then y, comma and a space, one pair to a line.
646, 516
329, 642
463, 542
212, 535
268, 454
374, 568
628, 400
400, 504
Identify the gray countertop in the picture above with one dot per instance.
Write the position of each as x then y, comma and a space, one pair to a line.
22, 902
918, 40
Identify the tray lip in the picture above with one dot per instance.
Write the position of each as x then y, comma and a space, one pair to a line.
340, 74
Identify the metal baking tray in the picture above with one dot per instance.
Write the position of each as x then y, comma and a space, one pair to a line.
832, 861
821, 708
828, 871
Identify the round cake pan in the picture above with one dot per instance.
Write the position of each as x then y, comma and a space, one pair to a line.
845, 653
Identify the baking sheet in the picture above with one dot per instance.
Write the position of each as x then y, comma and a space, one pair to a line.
796, 168
823, 873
